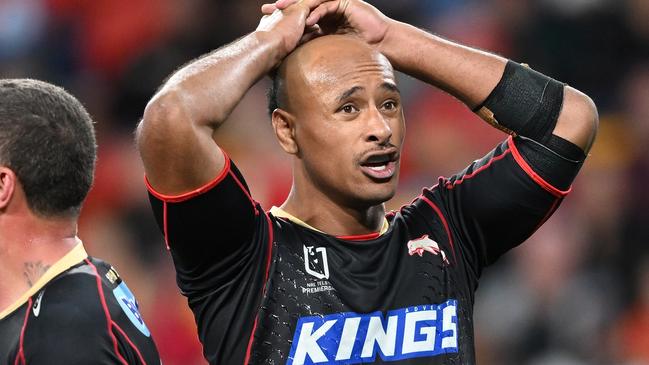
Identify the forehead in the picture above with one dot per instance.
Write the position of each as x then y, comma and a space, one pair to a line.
337, 62
348, 67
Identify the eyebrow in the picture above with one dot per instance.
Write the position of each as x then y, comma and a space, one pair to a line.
390, 87
386, 85
349, 93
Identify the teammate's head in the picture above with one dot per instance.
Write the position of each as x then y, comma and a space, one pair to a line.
336, 107
47, 144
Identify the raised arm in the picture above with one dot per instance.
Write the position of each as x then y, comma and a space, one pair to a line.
469, 74
175, 137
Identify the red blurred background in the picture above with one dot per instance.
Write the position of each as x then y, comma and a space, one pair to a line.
576, 293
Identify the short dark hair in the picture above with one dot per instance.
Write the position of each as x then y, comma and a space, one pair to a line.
273, 91
47, 138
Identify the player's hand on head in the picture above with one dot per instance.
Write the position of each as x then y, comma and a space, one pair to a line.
343, 16
289, 23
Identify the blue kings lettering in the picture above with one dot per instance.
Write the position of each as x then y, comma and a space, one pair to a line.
351, 338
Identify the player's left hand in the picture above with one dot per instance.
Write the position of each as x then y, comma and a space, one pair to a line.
343, 16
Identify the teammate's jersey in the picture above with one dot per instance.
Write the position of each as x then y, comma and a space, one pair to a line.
266, 288
80, 312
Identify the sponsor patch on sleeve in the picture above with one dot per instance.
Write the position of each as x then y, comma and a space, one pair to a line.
129, 305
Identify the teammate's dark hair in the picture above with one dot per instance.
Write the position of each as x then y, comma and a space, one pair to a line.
47, 138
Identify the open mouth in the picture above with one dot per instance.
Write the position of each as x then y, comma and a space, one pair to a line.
380, 166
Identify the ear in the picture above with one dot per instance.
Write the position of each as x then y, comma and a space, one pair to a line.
284, 127
8, 183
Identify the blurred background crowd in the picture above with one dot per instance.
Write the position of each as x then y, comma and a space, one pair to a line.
576, 293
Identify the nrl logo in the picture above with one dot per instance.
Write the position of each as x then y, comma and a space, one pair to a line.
315, 262
424, 244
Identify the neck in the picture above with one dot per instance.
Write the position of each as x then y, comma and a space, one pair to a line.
29, 245
325, 214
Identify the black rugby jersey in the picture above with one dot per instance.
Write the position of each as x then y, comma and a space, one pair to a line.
80, 312
266, 289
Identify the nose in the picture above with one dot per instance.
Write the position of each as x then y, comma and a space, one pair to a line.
378, 128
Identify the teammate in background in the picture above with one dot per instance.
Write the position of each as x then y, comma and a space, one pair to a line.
57, 304
329, 277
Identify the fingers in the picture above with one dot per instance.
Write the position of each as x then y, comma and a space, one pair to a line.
268, 9
318, 9
283, 4
331, 7
343, 6
311, 33
311, 4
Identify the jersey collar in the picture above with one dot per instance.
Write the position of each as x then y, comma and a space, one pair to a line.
281, 213
73, 257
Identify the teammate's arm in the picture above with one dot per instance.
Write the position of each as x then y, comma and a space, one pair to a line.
175, 135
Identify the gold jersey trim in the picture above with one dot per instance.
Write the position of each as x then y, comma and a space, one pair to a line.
73, 257
279, 212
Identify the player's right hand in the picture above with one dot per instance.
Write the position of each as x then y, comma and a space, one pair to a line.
343, 16
288, 25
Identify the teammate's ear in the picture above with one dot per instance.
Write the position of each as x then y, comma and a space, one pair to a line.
7, 186
284, 127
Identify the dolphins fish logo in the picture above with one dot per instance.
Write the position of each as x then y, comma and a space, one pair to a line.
424, 244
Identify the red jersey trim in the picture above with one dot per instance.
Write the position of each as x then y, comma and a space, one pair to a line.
532, 174
186, 196
20, 358
243, 188
109, 320
164, 224
444, 222
478, 170
123, 333
549, 213
360, 237
270, 248
263, 292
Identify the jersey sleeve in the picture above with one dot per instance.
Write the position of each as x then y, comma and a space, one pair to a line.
212, 232
73, 323
498, 201
221, 241
81, 337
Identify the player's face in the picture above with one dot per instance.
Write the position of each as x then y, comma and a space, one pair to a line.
349, 122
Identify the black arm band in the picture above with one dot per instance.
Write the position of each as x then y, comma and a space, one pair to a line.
557, 162
524, 102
